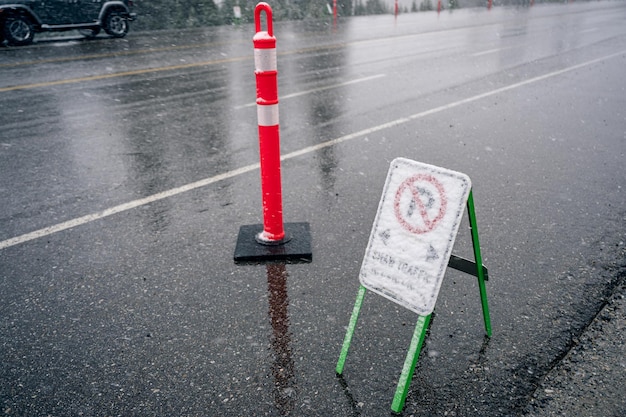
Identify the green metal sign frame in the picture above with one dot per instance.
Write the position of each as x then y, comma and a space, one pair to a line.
477, 269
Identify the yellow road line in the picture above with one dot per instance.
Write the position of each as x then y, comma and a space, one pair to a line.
112, 54
152, 70
121, 74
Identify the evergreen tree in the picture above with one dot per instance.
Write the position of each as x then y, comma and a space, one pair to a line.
345, 7
375, 7
359, 9
227, 11
315, 8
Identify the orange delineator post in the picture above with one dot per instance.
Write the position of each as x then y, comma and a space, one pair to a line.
266, 72
272, 241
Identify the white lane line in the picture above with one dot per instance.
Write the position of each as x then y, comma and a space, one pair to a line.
315, 90
124, 207
207, 181
445, 107
490, 51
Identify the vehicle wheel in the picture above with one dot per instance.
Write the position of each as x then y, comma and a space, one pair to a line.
115, 24
89, 33
18, 30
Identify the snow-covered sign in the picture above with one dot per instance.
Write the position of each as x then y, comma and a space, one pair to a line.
413, 234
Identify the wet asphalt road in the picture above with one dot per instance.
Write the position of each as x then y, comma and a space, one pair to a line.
127, 168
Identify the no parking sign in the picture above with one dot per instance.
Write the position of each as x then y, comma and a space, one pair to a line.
410, 248
413, 233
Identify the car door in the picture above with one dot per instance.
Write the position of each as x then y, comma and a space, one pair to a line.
70, 12
85, 11
55, 12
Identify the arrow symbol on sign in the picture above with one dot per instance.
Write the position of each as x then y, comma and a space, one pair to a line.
432, 254
385, 235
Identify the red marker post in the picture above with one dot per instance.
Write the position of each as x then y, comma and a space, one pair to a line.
266, 71
272, 240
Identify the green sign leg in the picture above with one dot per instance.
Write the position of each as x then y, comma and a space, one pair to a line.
350, 332
409, 364
479, 263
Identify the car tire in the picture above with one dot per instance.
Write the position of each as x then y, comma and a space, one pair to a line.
115, 24
18, 30
89, 33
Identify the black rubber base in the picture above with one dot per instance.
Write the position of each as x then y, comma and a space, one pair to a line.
296, 250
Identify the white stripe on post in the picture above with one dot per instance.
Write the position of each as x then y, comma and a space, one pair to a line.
267, 114
265, 59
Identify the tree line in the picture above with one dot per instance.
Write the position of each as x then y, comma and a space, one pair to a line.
177, 14
173, 14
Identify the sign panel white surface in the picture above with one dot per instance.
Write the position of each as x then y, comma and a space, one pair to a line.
413, 234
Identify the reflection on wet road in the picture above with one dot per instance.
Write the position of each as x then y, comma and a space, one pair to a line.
285, 391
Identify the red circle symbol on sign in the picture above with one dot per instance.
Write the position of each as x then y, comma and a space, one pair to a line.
420, 203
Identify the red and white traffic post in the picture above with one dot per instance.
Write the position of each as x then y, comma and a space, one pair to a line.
266, 71
274, 240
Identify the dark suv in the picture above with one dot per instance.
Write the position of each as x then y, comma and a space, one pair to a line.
20, 19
